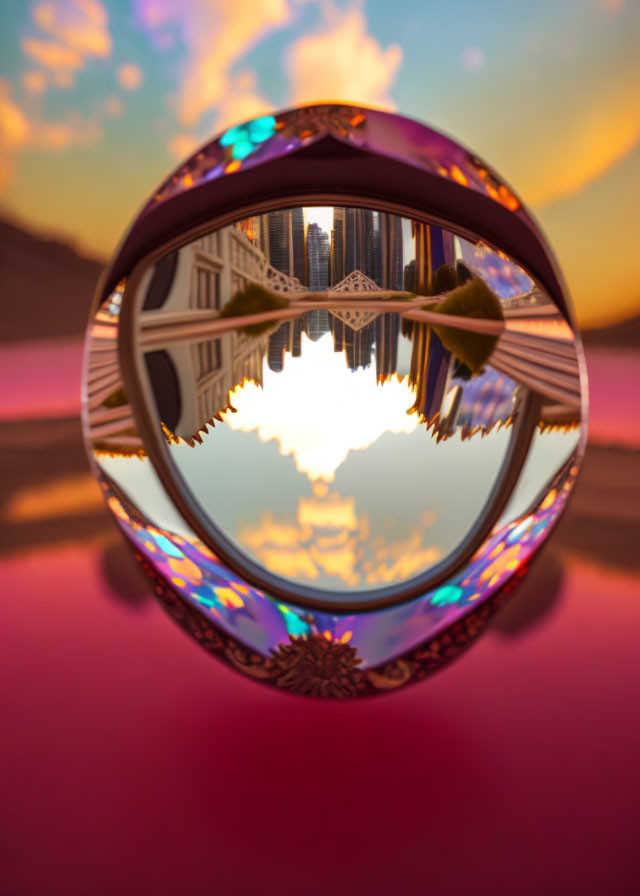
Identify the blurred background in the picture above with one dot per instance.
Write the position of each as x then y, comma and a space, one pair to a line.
128, 755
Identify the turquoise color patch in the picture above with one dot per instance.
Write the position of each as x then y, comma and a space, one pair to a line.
167, 546
448, 594
241, 149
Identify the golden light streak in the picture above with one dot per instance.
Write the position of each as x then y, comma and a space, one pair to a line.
60, 497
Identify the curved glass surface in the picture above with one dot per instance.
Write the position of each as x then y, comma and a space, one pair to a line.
339, 390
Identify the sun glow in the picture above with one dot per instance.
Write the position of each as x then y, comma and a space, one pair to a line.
320, 215
318, 410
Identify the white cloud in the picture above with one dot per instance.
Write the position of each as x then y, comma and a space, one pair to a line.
337, 410
342, 61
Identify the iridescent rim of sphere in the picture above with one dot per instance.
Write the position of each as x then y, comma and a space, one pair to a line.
337, 151
337, 154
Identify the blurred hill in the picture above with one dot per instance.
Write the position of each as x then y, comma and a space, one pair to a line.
625, 334
45, 286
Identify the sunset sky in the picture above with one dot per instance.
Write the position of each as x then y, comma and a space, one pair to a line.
98, 100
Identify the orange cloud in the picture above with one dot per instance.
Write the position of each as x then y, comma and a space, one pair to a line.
129, 76
217, 33
81, 25
600, 135
611, 6
113, 106
58, 135
51, 54
328, 538
63, 79
14, 132
230, 30
34, 82
182, 145
17, 131
73, 31
595, 236
54, 135
343, 62
14, 126
241, 102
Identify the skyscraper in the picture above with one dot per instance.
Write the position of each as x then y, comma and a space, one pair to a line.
318, 258
286, 242
433, 247
356, 344
370, 242
316, 323
287, 338
278, 343
387, 332
430, 362
338, 271
362, 243
391, 251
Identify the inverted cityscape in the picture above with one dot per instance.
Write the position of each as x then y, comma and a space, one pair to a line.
338, 388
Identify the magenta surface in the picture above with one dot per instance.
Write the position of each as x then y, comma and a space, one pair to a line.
132, 763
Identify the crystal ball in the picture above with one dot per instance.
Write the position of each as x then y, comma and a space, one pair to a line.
335, 398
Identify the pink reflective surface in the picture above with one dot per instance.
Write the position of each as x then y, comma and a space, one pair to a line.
132, 763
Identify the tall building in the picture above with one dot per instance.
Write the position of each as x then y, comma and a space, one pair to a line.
285, 229
391, 251
367, 241
387, 332
410, 276
318, 258
430, 363
359, 345
356, 344
362, 243
256, 229
277, 347
316, 323
433, 247
287, 338
338, 271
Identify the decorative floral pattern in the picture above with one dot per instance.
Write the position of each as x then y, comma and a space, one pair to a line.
317, 666
276, 642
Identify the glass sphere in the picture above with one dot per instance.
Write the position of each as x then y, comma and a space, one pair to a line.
334, 396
